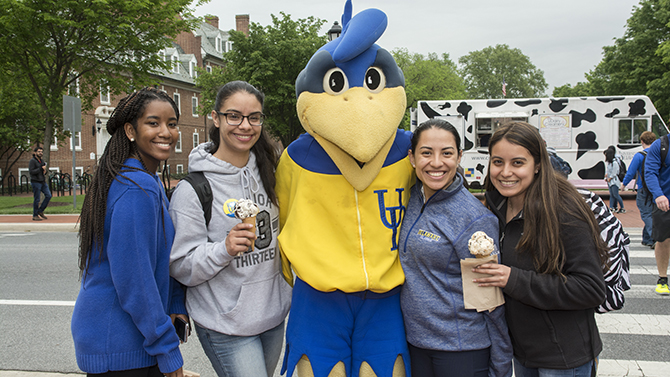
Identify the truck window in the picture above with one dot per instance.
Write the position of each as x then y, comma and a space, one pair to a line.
630, 130
657, 126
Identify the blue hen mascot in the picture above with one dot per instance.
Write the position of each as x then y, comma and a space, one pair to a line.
342, 189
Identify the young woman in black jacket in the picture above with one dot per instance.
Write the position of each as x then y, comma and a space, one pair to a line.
552, 258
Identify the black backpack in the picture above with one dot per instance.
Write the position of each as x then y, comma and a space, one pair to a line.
202, 188
622, 169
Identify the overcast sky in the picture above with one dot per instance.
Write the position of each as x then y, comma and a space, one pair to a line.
562, 38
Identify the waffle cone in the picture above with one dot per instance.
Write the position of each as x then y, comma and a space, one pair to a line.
251, 220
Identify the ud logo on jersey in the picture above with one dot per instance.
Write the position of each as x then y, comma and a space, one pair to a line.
396, 213
229, 207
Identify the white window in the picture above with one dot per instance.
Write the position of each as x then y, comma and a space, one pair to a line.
209, 69
104, 95
194, 106
54, 146
180, 169
229, 46
192, 70
77, 141
73, 88
217, 44
175, 64
196, 139
177, 100
162, 55
23, 178
177, 147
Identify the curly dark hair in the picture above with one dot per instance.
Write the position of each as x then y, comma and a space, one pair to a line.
111, 165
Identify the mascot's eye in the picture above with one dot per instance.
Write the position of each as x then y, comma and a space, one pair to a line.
335, 81
375, 81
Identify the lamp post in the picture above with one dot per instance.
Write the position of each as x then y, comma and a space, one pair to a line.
99, 124
334, 31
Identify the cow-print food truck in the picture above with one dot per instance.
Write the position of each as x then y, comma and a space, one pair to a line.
580, 129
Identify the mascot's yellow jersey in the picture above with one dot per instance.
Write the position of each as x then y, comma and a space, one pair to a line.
334, 236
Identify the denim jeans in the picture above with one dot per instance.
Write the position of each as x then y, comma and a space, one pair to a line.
242, 356
38, 188
580, 371
645, 203
615, 197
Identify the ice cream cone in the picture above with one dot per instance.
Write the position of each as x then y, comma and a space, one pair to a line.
250, 220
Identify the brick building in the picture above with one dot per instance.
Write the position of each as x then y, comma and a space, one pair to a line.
204, 48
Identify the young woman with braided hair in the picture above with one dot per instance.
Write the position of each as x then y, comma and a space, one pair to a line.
122, 323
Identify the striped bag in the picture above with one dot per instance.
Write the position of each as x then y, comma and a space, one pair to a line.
617, 276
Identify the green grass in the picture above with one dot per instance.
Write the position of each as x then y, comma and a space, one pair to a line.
23, 205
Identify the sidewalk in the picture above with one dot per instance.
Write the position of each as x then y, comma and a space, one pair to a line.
25, 223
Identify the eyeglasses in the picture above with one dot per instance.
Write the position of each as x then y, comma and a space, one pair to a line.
235, 119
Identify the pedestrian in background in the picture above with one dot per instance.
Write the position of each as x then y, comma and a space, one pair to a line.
643, 197
657, 179
551, 258
237, 297
441, 217
612, 178
38, 170
122, 323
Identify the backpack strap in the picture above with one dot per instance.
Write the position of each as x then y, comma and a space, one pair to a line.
664, 150
202, 188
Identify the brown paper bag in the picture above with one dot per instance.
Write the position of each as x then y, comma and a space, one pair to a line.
474, 296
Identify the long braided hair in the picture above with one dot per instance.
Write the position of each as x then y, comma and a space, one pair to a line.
111, 164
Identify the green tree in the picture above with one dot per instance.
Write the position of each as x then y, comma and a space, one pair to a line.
270, 58
483, 72
19, 118
114, 43
429, 77
582, 89
639, 62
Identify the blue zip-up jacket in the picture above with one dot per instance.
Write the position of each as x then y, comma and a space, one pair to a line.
121, 317
433, 239
658, 182
635, 169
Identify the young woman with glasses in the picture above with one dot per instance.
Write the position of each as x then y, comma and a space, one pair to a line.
237, 297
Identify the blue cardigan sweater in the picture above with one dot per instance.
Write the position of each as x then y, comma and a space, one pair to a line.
120, 319
433, 239
657, 179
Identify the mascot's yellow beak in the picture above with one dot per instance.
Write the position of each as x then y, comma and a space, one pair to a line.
357, 121
355, 128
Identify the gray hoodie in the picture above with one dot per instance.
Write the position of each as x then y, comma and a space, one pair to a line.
234, 295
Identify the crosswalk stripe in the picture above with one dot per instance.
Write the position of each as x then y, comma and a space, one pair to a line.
632, 368
638, 324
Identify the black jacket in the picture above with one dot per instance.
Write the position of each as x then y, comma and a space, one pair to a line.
35, 168
551, 319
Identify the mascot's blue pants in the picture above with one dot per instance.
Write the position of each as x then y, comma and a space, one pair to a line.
329, 327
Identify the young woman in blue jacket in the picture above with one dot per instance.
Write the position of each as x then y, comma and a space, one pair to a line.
122, 323
445, 339
552, 258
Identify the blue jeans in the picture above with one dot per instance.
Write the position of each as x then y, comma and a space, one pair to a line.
580, 371
615, 197
242, 356
645, 203
38, 188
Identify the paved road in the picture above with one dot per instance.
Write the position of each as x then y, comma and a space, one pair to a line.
39, 277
